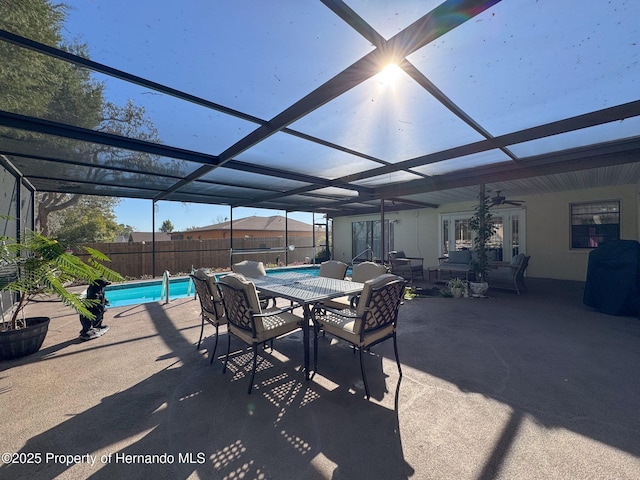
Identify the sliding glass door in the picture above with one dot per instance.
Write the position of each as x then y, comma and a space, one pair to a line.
366, 238
508, 240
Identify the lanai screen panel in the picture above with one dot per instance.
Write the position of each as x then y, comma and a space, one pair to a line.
276, 103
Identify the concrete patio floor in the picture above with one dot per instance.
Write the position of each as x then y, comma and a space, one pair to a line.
535, 386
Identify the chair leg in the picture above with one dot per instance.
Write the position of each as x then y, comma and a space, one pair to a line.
215, 346
395, 348
226, 359
315, 348
253, 370
201, 331
364, 376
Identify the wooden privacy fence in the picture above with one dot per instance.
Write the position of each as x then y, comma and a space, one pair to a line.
135, 259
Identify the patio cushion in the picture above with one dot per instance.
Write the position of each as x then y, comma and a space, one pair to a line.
333, 269
239, 281
373, 321
366, 295
203, 274
342, 326
269, 327
517, 259
246, 321
361, 273
366, 271
349, 328
249, 268
462, 257
253, 269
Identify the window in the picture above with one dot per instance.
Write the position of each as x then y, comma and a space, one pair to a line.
366, 235
594, 223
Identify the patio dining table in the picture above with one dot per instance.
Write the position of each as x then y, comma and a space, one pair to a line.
305, 290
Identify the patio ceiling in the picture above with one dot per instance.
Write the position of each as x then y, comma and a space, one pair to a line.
282, 105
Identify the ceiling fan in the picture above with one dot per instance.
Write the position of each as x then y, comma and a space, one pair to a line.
498, 199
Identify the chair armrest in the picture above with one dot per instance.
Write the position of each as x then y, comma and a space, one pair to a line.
319, 307
496, 264
277, 311
400, 260
506, 268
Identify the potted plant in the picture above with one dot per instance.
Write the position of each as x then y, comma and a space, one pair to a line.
457, 287
482, 225
40, 266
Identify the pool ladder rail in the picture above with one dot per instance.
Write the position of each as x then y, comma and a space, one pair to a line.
368, 250
165, 286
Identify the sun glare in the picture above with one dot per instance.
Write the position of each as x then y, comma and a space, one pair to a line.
389, 75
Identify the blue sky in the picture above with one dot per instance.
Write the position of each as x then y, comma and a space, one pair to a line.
259, 57
156, 40
138, 214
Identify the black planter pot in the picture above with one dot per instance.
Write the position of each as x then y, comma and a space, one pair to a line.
25, 341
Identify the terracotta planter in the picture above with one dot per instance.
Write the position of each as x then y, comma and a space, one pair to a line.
25, 341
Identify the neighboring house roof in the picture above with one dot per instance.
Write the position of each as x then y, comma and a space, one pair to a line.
148, 237
275, 223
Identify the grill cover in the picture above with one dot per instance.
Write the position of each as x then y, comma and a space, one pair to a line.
613, 278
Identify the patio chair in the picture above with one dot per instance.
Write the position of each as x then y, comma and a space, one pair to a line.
456, 264
510, 276
211, 308
408, 268
247, 321
253, 269
361, 273
372, 322
333, 269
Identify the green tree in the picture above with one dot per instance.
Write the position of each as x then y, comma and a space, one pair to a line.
167, 226
129, 120
125, 230
90, 220
41, 86
38, 85
41, 21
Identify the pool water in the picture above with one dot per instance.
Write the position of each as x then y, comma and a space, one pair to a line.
180, 287
146, 292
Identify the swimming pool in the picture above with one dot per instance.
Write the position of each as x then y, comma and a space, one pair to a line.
135, 293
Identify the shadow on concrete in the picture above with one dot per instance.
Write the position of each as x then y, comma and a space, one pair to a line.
529, 386
203, 422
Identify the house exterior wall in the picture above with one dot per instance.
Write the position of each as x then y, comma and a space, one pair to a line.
547, 230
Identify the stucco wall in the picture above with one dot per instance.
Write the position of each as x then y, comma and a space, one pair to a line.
547, 230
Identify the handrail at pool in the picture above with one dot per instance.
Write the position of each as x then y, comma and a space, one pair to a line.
368, 250
165, 286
